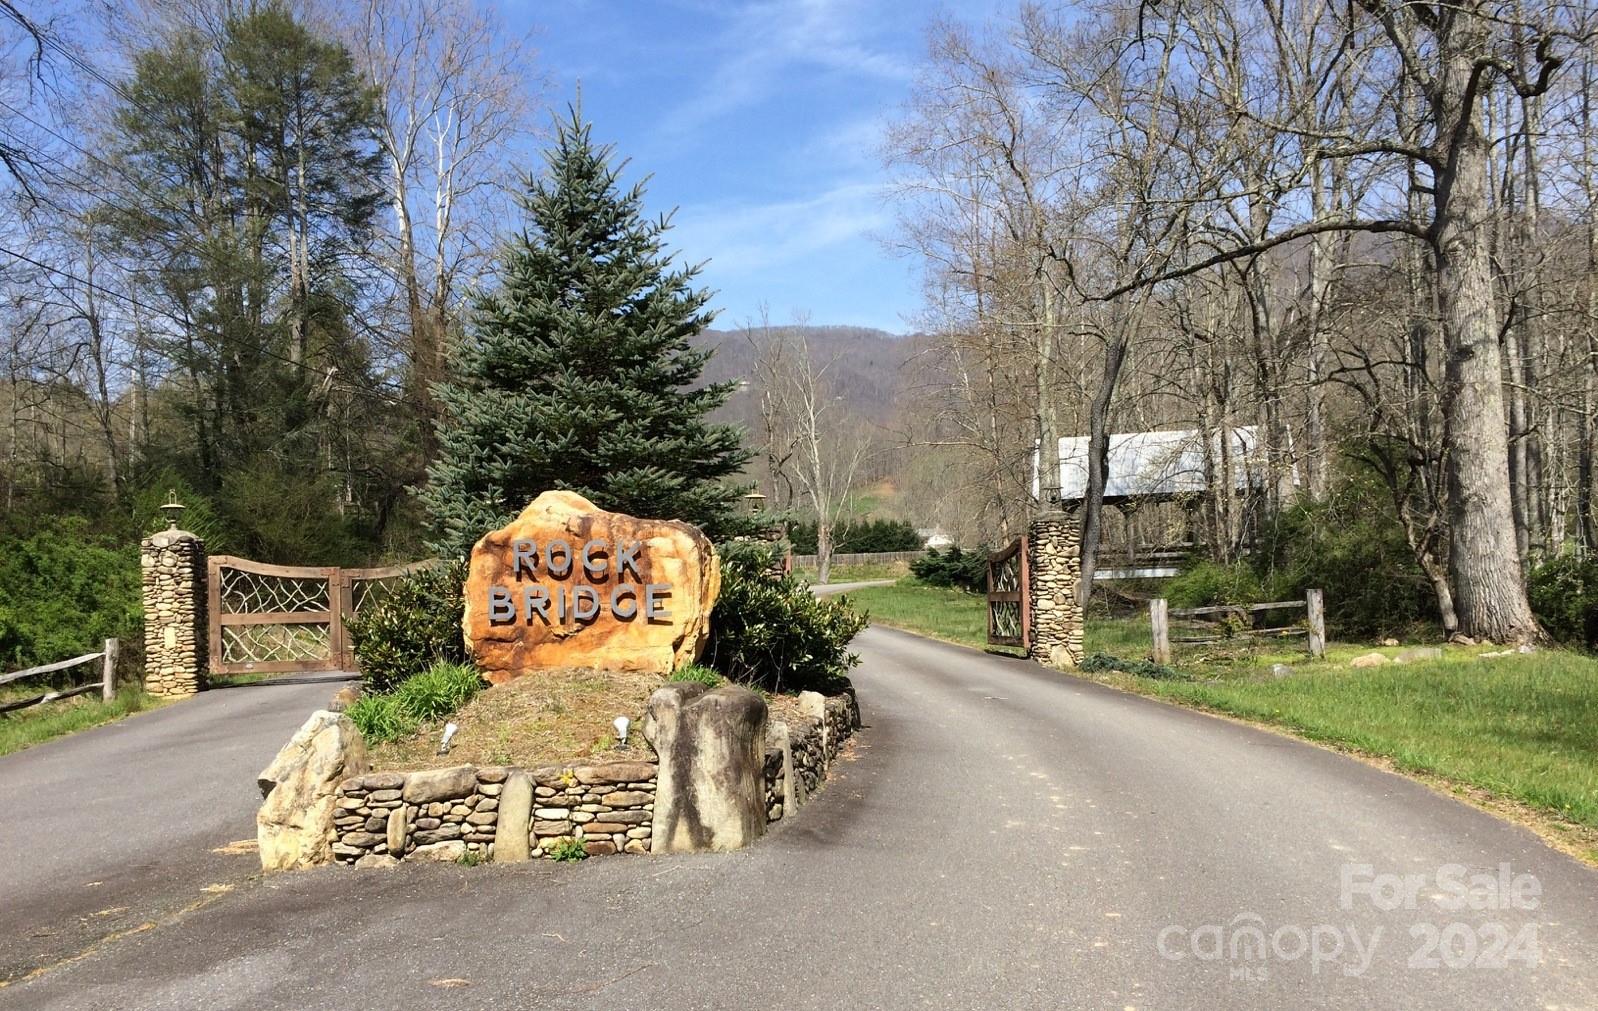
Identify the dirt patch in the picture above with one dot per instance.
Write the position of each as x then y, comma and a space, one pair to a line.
786, 708
545, 718
548, 718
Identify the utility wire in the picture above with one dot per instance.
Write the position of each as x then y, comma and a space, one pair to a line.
190, 246
130, 300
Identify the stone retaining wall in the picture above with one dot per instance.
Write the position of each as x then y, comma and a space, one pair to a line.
446, 814
798, 756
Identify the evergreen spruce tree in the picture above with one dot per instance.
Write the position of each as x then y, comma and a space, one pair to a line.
577, 371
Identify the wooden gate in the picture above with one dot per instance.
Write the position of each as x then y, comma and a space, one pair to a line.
1009, 610
273, 618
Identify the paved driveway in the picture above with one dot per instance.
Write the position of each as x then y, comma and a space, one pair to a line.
114, 827
833, 589
1002, 837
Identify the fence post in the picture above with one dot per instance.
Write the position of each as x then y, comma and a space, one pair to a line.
1160, 619
1315, 612
108, 673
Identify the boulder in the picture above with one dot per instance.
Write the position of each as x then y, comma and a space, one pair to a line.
711, 790
511, 845
566, 584
294, 826
1372, 659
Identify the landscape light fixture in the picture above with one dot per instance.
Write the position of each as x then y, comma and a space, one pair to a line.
754, 503
621, 723
172, 509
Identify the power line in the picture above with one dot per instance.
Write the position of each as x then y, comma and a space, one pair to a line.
376, 265
191, 245
130, 300
91, 185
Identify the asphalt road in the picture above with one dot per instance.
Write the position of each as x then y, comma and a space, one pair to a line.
1001, 837
114, 827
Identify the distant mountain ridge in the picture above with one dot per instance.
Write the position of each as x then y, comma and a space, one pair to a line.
868, 374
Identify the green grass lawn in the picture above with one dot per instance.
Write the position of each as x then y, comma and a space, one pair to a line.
938, 612
1522, 728
27, 727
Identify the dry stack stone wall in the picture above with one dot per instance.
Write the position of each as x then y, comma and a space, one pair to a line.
173, 571
1054, 568
798, 755
444, 814
448, 814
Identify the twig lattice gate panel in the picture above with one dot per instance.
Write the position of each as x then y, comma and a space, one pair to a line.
275, 618
1009, 621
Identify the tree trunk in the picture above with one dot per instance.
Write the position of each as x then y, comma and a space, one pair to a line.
1320, 283
1098, 459
823, 551
1489, 589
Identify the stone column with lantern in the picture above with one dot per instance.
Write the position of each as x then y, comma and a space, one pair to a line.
174, 577
754, 504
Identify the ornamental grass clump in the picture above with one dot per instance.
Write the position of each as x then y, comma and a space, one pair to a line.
699, 674
427, 697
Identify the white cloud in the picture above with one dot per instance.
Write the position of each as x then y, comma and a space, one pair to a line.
744, 240
767, 44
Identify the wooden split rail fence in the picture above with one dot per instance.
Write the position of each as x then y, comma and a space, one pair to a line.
1204, 624
107, 684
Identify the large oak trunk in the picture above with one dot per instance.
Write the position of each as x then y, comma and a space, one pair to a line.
1489, 590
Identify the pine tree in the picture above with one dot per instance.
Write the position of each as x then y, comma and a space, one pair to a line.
577, 371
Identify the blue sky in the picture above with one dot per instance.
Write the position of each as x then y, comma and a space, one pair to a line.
760, 122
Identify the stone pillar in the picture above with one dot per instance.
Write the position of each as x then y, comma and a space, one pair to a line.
175, 632
1054, 568
710, 793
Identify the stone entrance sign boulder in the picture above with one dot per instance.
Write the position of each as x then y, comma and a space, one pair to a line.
566, 584
294, 826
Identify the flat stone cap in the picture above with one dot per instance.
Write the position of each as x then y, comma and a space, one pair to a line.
167, 538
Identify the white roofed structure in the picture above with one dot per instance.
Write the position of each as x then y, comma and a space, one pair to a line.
1158, 466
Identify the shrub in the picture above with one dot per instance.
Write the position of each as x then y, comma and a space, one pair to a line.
773, 633
64, 589
863, 536
1095, 662
1349, 546
699, 673
1206, 583
415, 626
960, 569
1564, 596
438, 691
1352, 546
567, 850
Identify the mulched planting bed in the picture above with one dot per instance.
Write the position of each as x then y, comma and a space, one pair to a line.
547, 718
